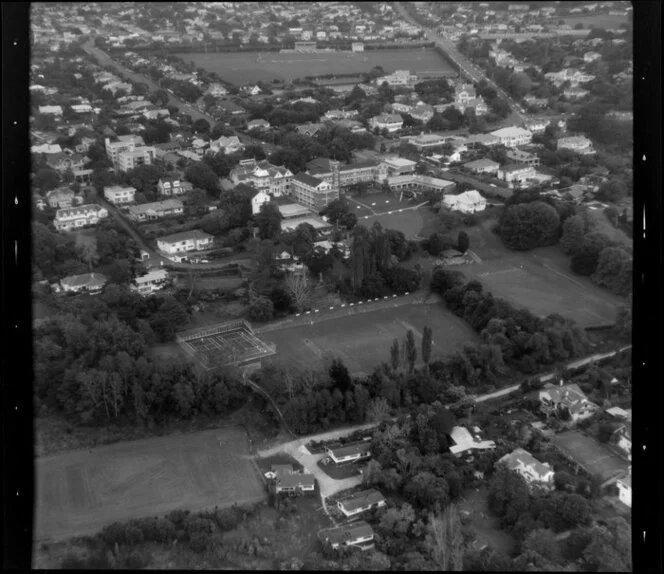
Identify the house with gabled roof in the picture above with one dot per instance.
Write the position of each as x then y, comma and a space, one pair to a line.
84, 283
60, 197
185, 241
535, 473
358, 534
349, 453
570, 397
360, 502
287, 480
624, 485
77, 217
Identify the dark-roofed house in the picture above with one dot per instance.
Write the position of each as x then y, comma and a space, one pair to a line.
87, 282
359, 534
312, 192
360, 502
350, 453
288, 480
535, 472
194, 240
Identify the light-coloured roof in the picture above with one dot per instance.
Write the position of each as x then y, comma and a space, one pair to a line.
465, 441
293, 210
185, 235
521, 456
86, 279
315, 222
399, 162
512, 131
153, 275
156, 206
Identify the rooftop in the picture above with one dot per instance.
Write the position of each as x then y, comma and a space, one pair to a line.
293, 210
348, 532
307, 179
184, 235
361, 499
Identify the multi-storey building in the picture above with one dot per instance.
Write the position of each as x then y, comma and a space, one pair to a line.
130, 159
119, 194
312, 192
76, 217
513, 136
264, 176
124, 143
390, 122
579, 144
169, 187
194, 240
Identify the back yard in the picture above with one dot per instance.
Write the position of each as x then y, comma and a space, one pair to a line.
474, 509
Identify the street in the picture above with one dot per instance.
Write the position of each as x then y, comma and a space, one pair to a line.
466, 66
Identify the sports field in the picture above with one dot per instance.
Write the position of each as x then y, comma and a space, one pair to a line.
79, 492
363, 340
539, 280
239, 68
590, 454
390, 211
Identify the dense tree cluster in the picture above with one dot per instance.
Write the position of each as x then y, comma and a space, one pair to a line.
527, 225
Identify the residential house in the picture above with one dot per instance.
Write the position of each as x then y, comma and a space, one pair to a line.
486, 140
591, 56
60, 197
309, 129
422, 113
327, 246
85, 144
69, 218
533, 471
622, 437
358, 534
286, 479
46, 148
465, 441
427, 141
156, 114
624, 485
350, 453
454, 257
467, 202
575, 193
276, 180
570, 397
575, 93
119, 194
389, 122
154, 280
259, 198
194, 240
579, 144
85, 283
341, 114
360, 502
217, 90
259, 124
463, 93
482, 166
155, 210
169, 187
523, 158
536, 102
40, 204
228, 145
63, 162
312, 192
536, 126
51, 110
398, 78
477, 104
513, 136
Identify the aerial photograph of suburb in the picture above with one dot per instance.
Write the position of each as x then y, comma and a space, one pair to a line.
332, 285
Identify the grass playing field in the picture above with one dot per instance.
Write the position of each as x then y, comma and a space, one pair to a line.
363, 340
79, 492
239, 68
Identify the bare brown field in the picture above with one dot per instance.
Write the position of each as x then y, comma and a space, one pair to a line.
80, 492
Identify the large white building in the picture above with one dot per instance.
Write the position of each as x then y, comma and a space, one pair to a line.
579, 144
124, 143
467, 202
513, 136
77, 217
398, 78
390, 122
263, 176
119, 194
533, 471
194, 240
130, 159
312, 192
154, 280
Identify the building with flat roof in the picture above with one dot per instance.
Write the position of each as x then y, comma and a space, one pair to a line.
152, 281
194, 240
119, 194
513, 136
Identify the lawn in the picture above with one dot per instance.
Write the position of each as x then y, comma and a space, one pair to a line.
79, 492
539, 280
340, 472
475, 508
596, 458
607, 21
363, 340
239, 68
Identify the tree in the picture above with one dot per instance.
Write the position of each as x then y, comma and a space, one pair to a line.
268, 221
610, 547
201, 126
395, 354
624, 318
410, 350
86, 245
339, 375
297, 286
46, 179
261, 309
443, 280
528, 225
613, 191
572, 237
445, 539
463, 241
427, 341
170, 316
543, 542
377, 410
586, 258
509, 496
201, 175
614, 270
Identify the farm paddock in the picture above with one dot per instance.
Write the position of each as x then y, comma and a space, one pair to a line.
80, 492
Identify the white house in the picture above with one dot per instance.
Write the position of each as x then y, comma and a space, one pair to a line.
118, 194
350, 453
87, 282
194, 240
286, 479
536, 126
467, 202
51, 110
228, 145
46, 148
464, 441
359, 534
260, 198
360, 502
60, 197
535, 472
217, 90
77, 217
258, 124
579, 144
170, 186
513, 136
624, 485
390, 122
516, 173
570, 397
154, 280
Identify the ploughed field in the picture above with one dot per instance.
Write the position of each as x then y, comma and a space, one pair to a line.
80, 492
239, 68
